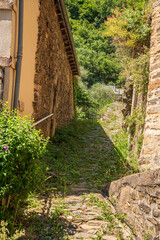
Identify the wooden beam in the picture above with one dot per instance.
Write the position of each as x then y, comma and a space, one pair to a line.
70, 57
67, 47
72, 64
66, 35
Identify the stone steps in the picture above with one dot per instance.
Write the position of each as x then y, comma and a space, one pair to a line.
88, 218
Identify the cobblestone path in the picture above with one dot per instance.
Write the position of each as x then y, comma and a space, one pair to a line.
84, 213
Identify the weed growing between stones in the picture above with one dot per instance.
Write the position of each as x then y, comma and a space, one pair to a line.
113, 220
147, 236
4, 232
83, 149
81, 158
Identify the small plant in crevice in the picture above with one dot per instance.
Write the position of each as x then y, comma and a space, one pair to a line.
147, 235
106, 214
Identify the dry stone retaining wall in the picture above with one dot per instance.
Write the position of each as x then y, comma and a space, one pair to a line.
138, 196
53, 89
150, 154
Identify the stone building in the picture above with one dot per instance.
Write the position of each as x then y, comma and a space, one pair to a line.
37, 60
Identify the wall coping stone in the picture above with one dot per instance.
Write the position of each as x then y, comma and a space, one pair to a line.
148, 178
6, 4
5, 62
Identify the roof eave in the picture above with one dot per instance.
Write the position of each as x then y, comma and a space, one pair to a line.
67, 36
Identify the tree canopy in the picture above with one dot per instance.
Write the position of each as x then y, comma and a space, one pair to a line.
95, 47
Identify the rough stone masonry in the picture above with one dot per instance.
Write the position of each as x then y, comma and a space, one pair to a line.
138, 195
150, 154
53, 84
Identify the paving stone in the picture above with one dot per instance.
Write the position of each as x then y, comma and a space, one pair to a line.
86, 218
84, 235
78, 213
73, 200
88, 227
107, 237
78, 189
95, 223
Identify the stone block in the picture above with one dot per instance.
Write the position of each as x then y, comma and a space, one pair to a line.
134, 195
153, 109
143, 207
5, 30
156, 213
136, 210
154, 85
124, 195
152, 220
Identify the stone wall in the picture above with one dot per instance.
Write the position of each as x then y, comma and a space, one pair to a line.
138, 196
150, 154
53, 84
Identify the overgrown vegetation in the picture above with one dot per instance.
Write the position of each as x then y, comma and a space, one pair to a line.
80, 145
21, 148
127, 22
112, 42
81, 149
114, 220
90, 101
96, 53
130, 28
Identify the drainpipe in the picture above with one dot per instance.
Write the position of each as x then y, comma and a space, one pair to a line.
19, 54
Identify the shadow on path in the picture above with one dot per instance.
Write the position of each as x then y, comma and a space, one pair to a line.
81, 160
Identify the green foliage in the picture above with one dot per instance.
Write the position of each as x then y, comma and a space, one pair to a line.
127, 22
130, 27
140, 72
121, 143
136, 123
4, 232
83, 98
95, 51
101, 94
106, 213
90, 101
147, 235
21, 147
137, 119
75, 85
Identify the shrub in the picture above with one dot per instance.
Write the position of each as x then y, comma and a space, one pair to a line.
21, 146
91, 100
4, 232
101, 94
130, 27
